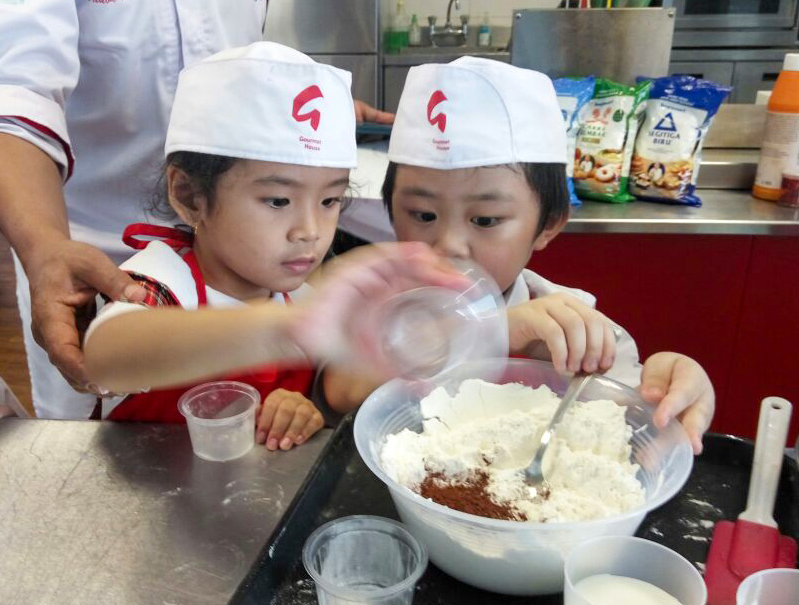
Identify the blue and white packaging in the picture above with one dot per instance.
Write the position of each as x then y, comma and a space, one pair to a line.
573, 96
668, 149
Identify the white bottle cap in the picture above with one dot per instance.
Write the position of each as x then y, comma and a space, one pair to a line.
762, 97
791, 62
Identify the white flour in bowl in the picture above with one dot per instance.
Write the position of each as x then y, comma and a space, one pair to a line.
474, 447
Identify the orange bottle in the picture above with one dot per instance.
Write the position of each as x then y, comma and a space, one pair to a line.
780, 149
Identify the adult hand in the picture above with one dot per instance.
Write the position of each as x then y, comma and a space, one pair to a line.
682, 389
340, 321
64, 279
577, 337
366, 113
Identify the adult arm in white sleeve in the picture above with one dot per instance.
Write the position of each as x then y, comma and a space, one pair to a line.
39, 68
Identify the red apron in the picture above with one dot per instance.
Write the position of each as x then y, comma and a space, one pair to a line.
162, 405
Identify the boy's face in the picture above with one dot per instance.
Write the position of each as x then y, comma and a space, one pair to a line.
269, 227
489, 215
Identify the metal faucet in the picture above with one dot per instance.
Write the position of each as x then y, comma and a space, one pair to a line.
448, 24
449, 35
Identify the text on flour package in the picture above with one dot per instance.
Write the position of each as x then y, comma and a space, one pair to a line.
606, 139
573, 97
668, 148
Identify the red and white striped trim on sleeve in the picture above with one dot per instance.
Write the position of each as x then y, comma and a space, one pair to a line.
49, 133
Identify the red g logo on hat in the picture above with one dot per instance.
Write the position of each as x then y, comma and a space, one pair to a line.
305, 96
439, 119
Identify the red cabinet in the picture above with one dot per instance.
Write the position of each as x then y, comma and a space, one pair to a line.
729, 301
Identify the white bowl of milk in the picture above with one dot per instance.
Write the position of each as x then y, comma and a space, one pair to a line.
623, 570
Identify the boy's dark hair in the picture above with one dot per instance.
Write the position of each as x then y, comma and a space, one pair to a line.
548, 180
202, 168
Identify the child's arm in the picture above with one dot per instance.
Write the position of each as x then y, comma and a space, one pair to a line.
168, 346
682, 389
345, 391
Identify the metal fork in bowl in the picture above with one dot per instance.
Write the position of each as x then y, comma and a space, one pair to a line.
534, 473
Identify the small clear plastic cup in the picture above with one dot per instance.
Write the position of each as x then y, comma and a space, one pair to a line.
364, 559
770, 587
431, 330
221, 419
635, 558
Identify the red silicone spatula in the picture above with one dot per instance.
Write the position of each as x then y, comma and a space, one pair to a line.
753, 542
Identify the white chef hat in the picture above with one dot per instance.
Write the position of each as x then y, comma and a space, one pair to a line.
477, 112
267, 102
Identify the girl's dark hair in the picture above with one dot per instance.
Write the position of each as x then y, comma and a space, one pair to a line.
203, 169
548, 180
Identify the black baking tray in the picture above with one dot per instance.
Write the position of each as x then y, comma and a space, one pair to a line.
340, 484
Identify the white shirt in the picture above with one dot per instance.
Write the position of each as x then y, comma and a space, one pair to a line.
529, 285
93, 81
161, 263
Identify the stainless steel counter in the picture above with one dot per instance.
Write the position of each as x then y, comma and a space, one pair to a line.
124, 513
724, 212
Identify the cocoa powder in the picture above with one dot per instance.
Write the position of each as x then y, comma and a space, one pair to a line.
468, 495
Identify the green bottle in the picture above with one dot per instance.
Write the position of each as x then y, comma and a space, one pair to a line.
397, 35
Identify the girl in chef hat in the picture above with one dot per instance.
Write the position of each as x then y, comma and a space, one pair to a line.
477, 170
258, 152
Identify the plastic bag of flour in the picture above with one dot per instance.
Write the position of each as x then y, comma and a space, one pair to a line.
606, 139
668, 148
573, 96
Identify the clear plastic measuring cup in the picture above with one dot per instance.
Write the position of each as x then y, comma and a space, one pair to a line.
431, 330
221, 419
364, 559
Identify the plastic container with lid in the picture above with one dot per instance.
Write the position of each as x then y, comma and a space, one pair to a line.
780, 148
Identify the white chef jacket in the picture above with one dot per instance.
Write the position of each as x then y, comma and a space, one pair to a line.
91, 83
530, 285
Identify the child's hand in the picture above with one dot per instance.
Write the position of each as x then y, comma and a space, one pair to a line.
576, 336
287, 419
339, 321
682, 389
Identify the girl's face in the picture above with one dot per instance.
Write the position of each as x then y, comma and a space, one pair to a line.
269, 227
489, 215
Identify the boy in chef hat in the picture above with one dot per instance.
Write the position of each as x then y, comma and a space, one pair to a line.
258, 151
477, 170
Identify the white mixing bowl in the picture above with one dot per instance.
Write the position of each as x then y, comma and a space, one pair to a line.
514, 557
